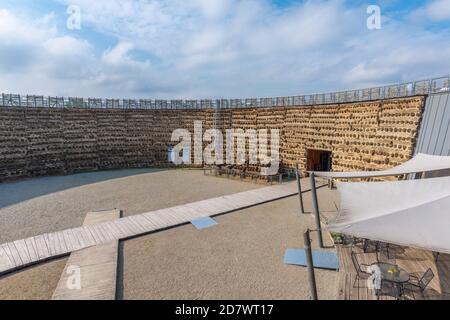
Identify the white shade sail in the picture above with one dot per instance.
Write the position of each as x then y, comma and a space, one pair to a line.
419, 163
413, 213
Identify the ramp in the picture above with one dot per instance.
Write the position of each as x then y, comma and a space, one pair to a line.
90, 274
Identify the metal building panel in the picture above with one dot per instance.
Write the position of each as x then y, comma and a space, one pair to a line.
434, 134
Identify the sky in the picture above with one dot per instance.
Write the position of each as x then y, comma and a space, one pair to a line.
194, 49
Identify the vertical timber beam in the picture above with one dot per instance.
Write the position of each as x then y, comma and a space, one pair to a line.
299, 185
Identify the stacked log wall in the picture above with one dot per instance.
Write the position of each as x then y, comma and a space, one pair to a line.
362, 136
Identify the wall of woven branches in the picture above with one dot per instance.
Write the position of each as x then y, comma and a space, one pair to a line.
362, 136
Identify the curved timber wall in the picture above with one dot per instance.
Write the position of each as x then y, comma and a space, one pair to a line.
362, 136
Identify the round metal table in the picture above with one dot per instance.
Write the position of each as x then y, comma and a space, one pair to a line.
393, 273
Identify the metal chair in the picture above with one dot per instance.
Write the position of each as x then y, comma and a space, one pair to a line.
383, 247
388, 289
350, 240
377, 247
419, 285
360, 273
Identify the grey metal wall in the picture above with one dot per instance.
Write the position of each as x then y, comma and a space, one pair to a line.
434, 134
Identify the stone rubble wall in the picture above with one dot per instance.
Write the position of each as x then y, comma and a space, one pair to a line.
362, 136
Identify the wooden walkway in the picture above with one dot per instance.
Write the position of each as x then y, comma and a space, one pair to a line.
95, 266
414, 261
22, 253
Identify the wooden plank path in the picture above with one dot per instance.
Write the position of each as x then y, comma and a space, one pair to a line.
22, 253
95, 266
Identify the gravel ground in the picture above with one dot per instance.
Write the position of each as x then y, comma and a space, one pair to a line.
37, 283
42, 208
35, 206
241, 258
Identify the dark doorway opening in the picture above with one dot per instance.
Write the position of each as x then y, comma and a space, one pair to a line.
319, 160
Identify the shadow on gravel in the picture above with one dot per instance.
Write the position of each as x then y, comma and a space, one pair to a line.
18, 191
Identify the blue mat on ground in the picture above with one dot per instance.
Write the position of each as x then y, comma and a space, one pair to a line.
321, 259
203, 223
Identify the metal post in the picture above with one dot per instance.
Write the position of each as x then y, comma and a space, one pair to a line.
299, 185
316, 208
310, 265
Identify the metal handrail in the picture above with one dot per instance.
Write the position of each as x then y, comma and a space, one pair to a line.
408, 89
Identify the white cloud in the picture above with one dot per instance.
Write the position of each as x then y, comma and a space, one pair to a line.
66, 57
214, 9
218, 48
35, 48
20, 30
439, 10
119, 53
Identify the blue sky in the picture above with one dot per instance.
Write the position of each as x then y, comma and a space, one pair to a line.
218, 48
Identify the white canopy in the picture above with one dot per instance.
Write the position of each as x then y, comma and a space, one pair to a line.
414, 213
419, 163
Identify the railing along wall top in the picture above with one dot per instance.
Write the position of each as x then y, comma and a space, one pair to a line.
422, 87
